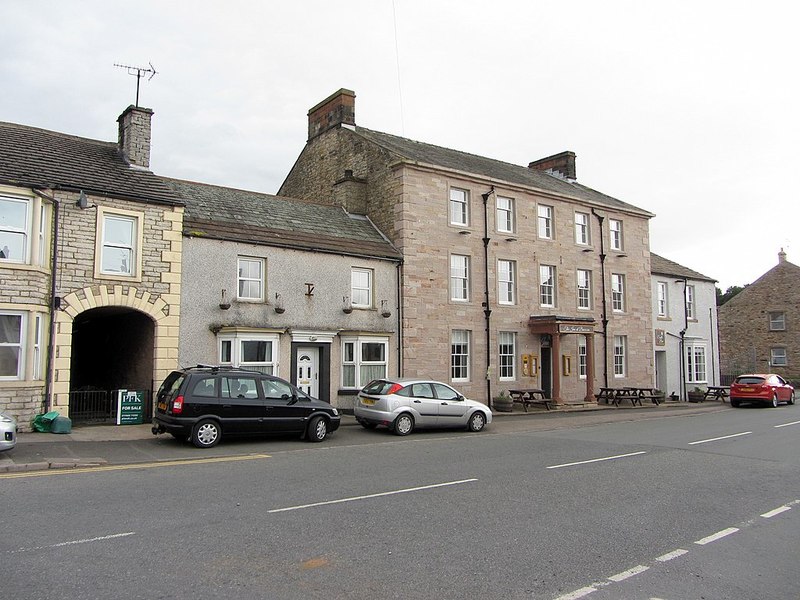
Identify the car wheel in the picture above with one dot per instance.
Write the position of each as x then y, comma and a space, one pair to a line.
774, 400
206, 434
791, 398
404, 424
367, 425
317, 429
734, 403
476, 421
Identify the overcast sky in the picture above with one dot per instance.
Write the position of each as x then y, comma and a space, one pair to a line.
688, 109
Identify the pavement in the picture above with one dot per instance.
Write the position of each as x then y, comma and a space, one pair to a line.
91, 446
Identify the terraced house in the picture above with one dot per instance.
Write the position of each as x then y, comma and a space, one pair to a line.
89, 270
294, 288
512, 277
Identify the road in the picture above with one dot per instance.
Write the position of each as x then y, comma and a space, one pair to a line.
703, 506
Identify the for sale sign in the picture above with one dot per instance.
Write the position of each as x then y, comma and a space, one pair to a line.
130, 407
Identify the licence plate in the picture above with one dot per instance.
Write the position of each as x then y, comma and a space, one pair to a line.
162, 406
747, 389
367, 401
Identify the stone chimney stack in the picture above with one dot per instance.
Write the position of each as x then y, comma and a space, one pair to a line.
134, 135
337, 109
781, 256
561, 165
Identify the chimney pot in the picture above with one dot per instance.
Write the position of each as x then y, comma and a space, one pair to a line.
781, 256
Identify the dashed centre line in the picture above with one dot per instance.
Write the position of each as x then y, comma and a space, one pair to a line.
594, 460
717, 536
787, 424
367, 496
724, 437
629, 573
678, 552
672, 555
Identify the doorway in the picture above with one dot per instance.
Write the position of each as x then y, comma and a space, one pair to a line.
547, 372
307, 370
112, 349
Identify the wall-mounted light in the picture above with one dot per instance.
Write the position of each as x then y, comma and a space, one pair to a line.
279, 308
587, 250
464, 232
223, 303
347, 306
83, 201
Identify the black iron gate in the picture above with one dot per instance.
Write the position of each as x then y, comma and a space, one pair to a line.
99, 407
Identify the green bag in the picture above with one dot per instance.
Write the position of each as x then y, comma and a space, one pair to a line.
44, 422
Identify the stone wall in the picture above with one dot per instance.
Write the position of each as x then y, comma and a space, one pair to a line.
744, 325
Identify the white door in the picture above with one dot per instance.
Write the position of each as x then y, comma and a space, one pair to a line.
308, 370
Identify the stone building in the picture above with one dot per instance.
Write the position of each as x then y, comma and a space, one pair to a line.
685, 339
759, 328
302, 290
512, 277
90, 244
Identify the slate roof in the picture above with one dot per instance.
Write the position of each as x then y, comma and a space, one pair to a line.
38, 158
661, 266
243, 216
462, 161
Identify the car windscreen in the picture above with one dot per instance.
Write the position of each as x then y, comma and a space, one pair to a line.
749, 380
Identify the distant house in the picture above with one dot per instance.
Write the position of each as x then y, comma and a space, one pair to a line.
302, 290
686, 351
89, 272
513, 276
760, 327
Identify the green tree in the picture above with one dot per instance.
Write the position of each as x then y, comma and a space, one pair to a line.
729, 293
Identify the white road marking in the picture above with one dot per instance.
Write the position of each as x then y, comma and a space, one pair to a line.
787, 424
777, 511
629, 573
716, 536
72, 542
367, 496
671, 555
594, 460
724, 437
581, 593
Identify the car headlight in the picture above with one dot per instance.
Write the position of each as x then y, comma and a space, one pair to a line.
335, 412
6, 419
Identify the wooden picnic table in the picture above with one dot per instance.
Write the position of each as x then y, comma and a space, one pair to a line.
717, 392
529, 396
614, 395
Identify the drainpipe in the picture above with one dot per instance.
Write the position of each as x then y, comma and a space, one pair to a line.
487, 311
399, 273
55, 303
683, 339
604, 315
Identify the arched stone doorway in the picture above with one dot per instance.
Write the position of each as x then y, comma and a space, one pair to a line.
112, 349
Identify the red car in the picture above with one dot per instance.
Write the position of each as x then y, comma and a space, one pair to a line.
761, 387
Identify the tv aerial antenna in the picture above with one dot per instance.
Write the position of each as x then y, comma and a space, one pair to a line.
139, 72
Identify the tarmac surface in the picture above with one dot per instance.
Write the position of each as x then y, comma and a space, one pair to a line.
103, 445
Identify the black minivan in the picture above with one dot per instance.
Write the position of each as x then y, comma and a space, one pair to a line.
204, 403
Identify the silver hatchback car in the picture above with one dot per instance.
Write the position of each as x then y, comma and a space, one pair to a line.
404, 404
8, 432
